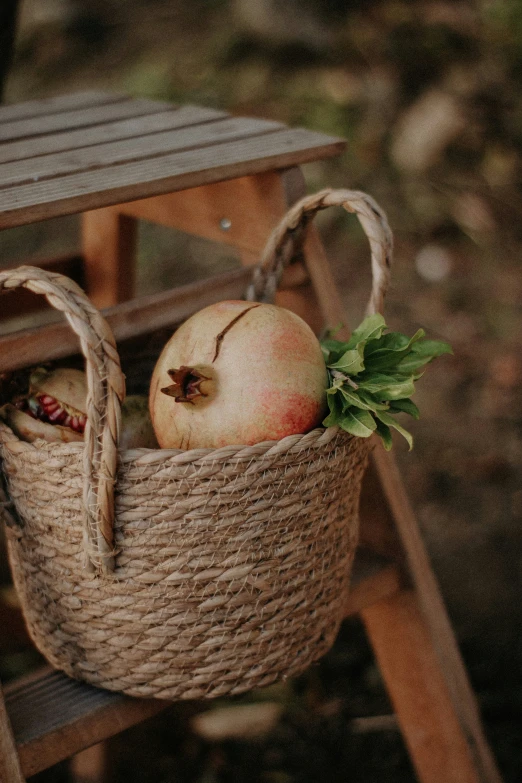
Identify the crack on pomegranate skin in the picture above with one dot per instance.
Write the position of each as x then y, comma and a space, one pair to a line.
220, 337
186, 384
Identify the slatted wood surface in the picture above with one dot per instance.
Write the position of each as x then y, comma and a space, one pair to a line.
53, 717
79, 152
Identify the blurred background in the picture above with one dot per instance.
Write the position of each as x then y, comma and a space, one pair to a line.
429, 95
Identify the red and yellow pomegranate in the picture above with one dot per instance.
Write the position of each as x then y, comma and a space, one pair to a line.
238, 373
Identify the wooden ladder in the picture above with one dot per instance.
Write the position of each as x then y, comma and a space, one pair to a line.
115, 161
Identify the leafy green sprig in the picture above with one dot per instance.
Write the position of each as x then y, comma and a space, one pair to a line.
372, 377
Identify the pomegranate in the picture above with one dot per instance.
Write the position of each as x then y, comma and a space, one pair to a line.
238, 373
54, 408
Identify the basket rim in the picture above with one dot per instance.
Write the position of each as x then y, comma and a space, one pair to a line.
316, 438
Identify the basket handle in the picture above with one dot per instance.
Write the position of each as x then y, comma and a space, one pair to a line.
105, 392
281, 245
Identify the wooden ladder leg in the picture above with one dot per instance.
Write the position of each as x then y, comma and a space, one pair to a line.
10, 769
439, 749
109, 245
437, 626
419, 615
90, 765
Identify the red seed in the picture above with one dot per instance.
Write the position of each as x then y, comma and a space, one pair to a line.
51, 408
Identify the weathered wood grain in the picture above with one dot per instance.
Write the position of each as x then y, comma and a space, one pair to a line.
10, 768
54, 717
136, 148
59, 103
90, 190
78, 118
107, 131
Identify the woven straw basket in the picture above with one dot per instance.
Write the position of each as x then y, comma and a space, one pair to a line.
184, 574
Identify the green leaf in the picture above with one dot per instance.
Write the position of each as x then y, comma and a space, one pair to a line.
392, 348
370, 329
404, 406
358, 422
393, 341
422, 353
387, 387
433, 347
351, 362
385, 434
385, 418
361, 399
351, 397
371, 401
332, 349
385, 366
336, 411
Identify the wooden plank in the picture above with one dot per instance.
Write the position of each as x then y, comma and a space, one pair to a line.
58, 103
139, 316
303, 300
92, 765
404, 650
246, 204
109, 244
10, 768
177, 171
79, 118
268, 199
109, 131
436, 618
323, 283
54, 717
133, 149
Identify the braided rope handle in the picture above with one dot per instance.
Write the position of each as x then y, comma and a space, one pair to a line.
105, 392
280, 249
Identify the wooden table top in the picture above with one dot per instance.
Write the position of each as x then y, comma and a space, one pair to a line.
78, 152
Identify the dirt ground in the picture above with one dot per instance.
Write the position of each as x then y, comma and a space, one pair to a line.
428, 94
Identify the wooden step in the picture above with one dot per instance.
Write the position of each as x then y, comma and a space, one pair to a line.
145, 314
91, 151
54, 717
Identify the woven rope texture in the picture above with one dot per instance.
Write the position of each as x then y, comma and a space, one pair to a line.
232, 570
